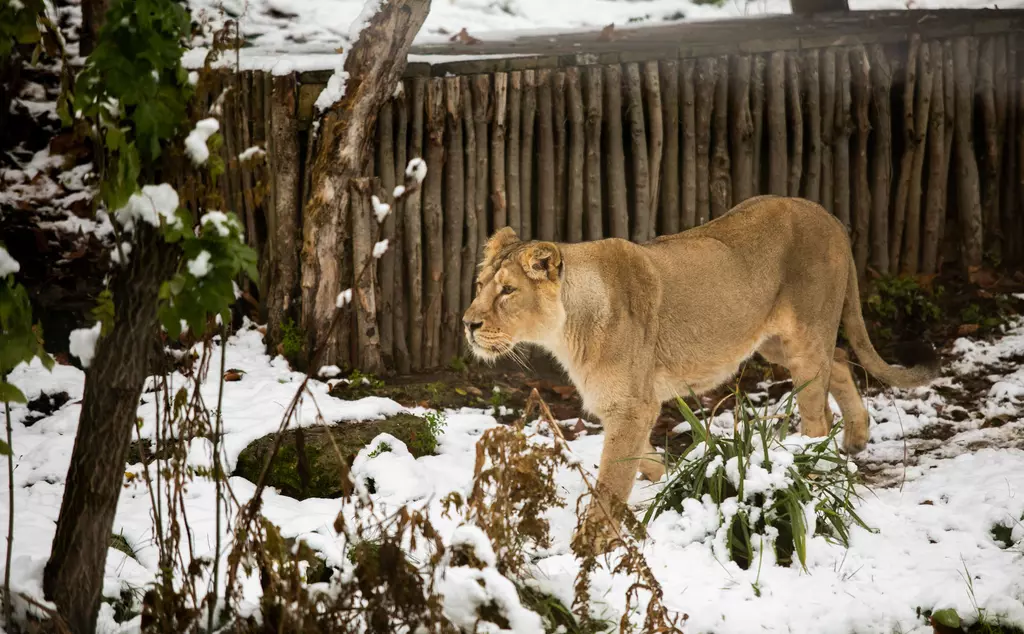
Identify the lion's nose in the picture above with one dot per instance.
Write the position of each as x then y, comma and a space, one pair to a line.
472, 326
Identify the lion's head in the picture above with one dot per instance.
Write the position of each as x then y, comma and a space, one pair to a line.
517, 295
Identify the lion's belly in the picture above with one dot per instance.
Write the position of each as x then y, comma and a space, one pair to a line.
699, 373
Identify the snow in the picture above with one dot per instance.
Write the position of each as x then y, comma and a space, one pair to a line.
221, 222
344, 297
200, 265
155, 203
8, 265
380, 248
932, 519
380, 210
328, 371
195, 142
83, 343
125, 249
305, 34
335, 88
251, 153
398, 192
417, 168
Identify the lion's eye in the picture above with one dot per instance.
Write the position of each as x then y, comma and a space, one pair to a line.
507, 290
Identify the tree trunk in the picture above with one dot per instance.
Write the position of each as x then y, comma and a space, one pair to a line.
481, 106
574, 203
844, 125
796, 123
386, 266
812, 183
938, 166
721, 178
743, 132
412, 218
688, 95
365, 300
616, 157
641, 168
828, 128
403, 360
73, 577
757, 105
515, 115
283, 285
967, 165
670, 160
922, 109
704, 80
561, 148
526, 151
899, 216
469, 260
93, 13
499, 202
433, 224
656, 146
881, 176
778, 169
546, 159
454, 220
861, 189
594, 115
374, 65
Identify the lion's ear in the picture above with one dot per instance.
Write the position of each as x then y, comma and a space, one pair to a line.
542, 261
502, 238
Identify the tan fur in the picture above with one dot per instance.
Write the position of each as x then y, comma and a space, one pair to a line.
636, 325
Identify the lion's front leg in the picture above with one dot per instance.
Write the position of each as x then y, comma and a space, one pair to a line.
627, 430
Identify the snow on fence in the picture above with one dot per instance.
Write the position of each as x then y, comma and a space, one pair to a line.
908, 126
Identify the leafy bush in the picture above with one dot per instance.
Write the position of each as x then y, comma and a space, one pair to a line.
766, 494
902, 304
426, 444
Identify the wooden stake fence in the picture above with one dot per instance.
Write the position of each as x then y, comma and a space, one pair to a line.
915, 143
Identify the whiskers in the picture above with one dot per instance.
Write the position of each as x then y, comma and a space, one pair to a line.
518, 355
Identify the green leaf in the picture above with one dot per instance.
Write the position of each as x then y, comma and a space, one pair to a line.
5, 449
11, 394
947, 617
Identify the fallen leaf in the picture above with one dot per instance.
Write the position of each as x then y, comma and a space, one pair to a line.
232, 375
460, 391
475, 391
967, 329
339, 50
607, 33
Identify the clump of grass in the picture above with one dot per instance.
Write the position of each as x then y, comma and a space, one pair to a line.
766, 494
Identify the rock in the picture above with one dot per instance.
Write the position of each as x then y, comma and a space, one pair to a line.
313, 462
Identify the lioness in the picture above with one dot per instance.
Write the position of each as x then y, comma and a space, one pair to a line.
637, 324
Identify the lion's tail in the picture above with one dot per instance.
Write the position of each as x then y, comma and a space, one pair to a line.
926, 367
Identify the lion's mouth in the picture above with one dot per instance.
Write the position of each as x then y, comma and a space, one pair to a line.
488, 350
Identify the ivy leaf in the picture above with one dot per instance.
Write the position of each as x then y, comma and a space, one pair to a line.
11, 394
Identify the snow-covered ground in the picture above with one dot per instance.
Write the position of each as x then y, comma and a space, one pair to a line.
304, 34
933, 516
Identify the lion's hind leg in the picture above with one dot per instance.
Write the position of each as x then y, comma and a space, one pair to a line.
810, 367
855, 415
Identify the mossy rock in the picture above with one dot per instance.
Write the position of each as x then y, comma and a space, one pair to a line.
310, 465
